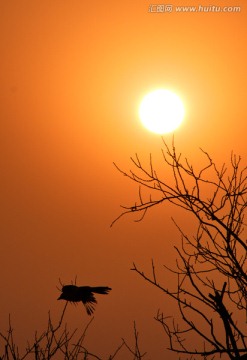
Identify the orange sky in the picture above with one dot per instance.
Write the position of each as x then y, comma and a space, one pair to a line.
73, 73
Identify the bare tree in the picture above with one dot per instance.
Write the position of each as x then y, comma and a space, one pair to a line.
57, 342
211, 266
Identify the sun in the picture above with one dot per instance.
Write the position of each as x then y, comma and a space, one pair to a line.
161, 111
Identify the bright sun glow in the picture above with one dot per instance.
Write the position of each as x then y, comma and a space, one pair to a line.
161, 111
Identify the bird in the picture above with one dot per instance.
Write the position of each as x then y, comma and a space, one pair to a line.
85, 294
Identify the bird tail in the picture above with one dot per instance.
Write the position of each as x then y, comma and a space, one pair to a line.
101, 289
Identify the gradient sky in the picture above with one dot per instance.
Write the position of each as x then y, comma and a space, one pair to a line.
73, 73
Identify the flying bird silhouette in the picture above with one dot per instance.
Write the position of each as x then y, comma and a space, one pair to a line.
85, 294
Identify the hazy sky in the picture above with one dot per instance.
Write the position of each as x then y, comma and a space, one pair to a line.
73, 73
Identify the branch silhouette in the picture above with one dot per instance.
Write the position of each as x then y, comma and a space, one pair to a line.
211, 267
